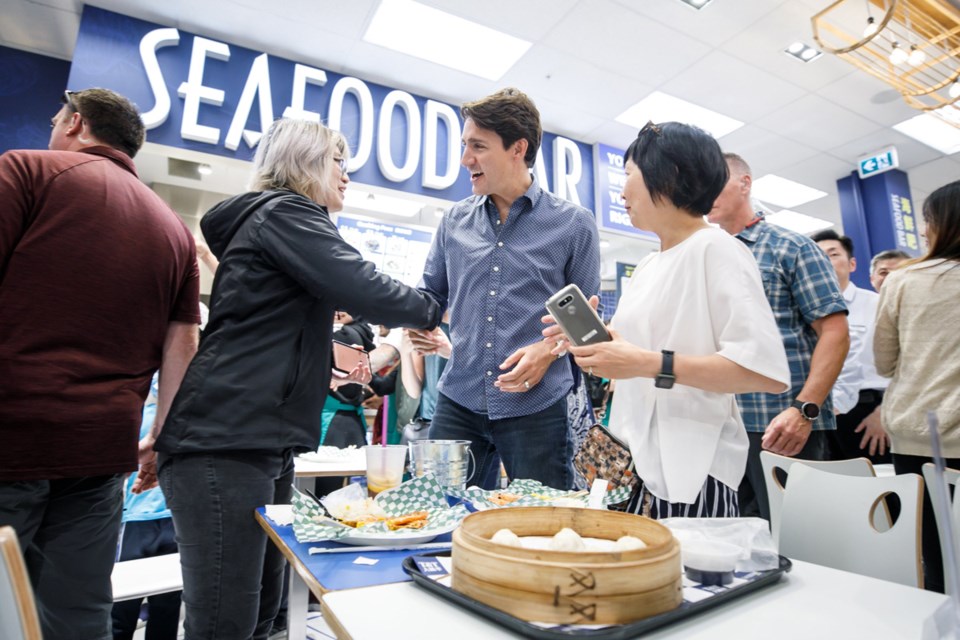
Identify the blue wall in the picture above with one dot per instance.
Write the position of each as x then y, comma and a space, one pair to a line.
30, 89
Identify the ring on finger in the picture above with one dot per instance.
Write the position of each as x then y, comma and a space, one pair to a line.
526, 384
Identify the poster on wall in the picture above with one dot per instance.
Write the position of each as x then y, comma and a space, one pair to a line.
611, 213
400, 251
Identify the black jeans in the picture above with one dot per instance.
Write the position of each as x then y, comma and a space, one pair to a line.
68, 532
536, 446
930, 540
752, 494
146, 539
232, 577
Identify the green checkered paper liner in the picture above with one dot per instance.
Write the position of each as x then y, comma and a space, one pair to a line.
534, 494
420, 494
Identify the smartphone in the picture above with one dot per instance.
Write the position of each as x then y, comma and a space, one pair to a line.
580, 323
346, 358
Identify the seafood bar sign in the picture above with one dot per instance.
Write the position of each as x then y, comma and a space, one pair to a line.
206, 95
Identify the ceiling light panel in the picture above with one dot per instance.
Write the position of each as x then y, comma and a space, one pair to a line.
445, 39
798, 222
931, 131
696, 4
773, 189
660, 107
802, 51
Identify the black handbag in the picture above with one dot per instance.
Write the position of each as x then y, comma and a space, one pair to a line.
416, 429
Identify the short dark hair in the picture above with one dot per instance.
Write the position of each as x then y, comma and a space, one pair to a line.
512, 115
737, 162
113, 119
830, 234
889, 254
680, 163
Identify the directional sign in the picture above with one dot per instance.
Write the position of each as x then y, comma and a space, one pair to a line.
878, 162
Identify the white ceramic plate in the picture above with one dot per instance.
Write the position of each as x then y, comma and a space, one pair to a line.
395, 538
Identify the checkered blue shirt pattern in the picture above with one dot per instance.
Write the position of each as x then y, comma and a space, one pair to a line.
496, 278
801, 286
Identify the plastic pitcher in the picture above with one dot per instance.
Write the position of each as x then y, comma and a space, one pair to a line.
448, 461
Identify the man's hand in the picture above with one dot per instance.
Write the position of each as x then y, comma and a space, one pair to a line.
530, 364
147, 477
359, 375
430, 342
787, 433
874, 434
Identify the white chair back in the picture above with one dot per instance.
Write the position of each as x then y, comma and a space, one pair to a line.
18, 612
827, 519
934, 487
774, 464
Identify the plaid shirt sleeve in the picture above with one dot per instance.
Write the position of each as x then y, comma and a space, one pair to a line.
814, 285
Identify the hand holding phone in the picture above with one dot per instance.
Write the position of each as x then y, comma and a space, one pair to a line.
346, 358
573, 313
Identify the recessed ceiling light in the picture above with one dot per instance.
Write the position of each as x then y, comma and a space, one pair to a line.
798, 222
604, 244
696, 4
660, 107
204, 169
437, 36
931, 131
802, 51
359, 199
782, 192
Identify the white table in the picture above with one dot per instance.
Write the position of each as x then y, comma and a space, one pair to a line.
810, 602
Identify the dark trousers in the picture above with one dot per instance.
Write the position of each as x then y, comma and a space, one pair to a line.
232, 577
146, 539
536, 446
844, 443
68, 531
930, 540
753, 489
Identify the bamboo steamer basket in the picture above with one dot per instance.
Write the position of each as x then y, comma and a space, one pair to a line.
568, 587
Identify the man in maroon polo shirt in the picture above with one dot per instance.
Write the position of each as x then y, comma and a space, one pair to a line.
98, 289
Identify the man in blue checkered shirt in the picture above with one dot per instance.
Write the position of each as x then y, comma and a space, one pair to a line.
802, 288
497, 257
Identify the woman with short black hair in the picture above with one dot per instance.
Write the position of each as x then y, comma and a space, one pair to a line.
693, 327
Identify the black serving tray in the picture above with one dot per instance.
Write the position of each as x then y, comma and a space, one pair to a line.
754, 582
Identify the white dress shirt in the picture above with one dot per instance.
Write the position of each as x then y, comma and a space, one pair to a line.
701, 297
858, 370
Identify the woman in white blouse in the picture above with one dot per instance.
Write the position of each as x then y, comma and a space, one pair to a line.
699, 303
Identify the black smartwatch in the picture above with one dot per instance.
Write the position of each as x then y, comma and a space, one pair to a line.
809, 410
665, 378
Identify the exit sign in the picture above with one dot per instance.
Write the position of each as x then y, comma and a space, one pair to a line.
878, 163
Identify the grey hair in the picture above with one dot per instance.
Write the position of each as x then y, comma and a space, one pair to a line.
295, 155
889, 254
737, 163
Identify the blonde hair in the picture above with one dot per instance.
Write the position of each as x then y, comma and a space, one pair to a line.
295, 155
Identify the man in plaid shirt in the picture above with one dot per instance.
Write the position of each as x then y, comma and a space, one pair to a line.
802, 288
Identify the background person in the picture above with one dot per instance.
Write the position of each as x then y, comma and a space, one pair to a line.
497, 257
252, 397
916, 345
99, 288
883, 264
692, 328
802, 289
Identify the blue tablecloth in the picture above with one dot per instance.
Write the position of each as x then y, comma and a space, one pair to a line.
335, 571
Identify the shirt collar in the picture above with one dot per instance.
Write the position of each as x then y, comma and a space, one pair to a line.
850, 292
118, 157
532, 194
752, 232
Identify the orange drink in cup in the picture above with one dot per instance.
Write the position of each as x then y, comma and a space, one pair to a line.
385, 466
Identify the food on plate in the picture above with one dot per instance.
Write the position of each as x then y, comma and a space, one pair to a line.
629, 543
414, 520
500, 498
507, 537
356, 513
567, 540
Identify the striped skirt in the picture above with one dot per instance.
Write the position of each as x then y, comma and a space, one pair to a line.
716, 500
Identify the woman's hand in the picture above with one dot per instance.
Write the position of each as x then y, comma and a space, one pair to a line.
360, 375
616, 358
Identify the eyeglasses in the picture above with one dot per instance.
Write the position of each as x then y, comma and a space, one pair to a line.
67, 99
342, 162
650, 127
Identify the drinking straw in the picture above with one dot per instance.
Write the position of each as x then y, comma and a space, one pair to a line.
386, 411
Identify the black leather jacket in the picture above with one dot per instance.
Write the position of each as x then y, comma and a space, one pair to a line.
261, 374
